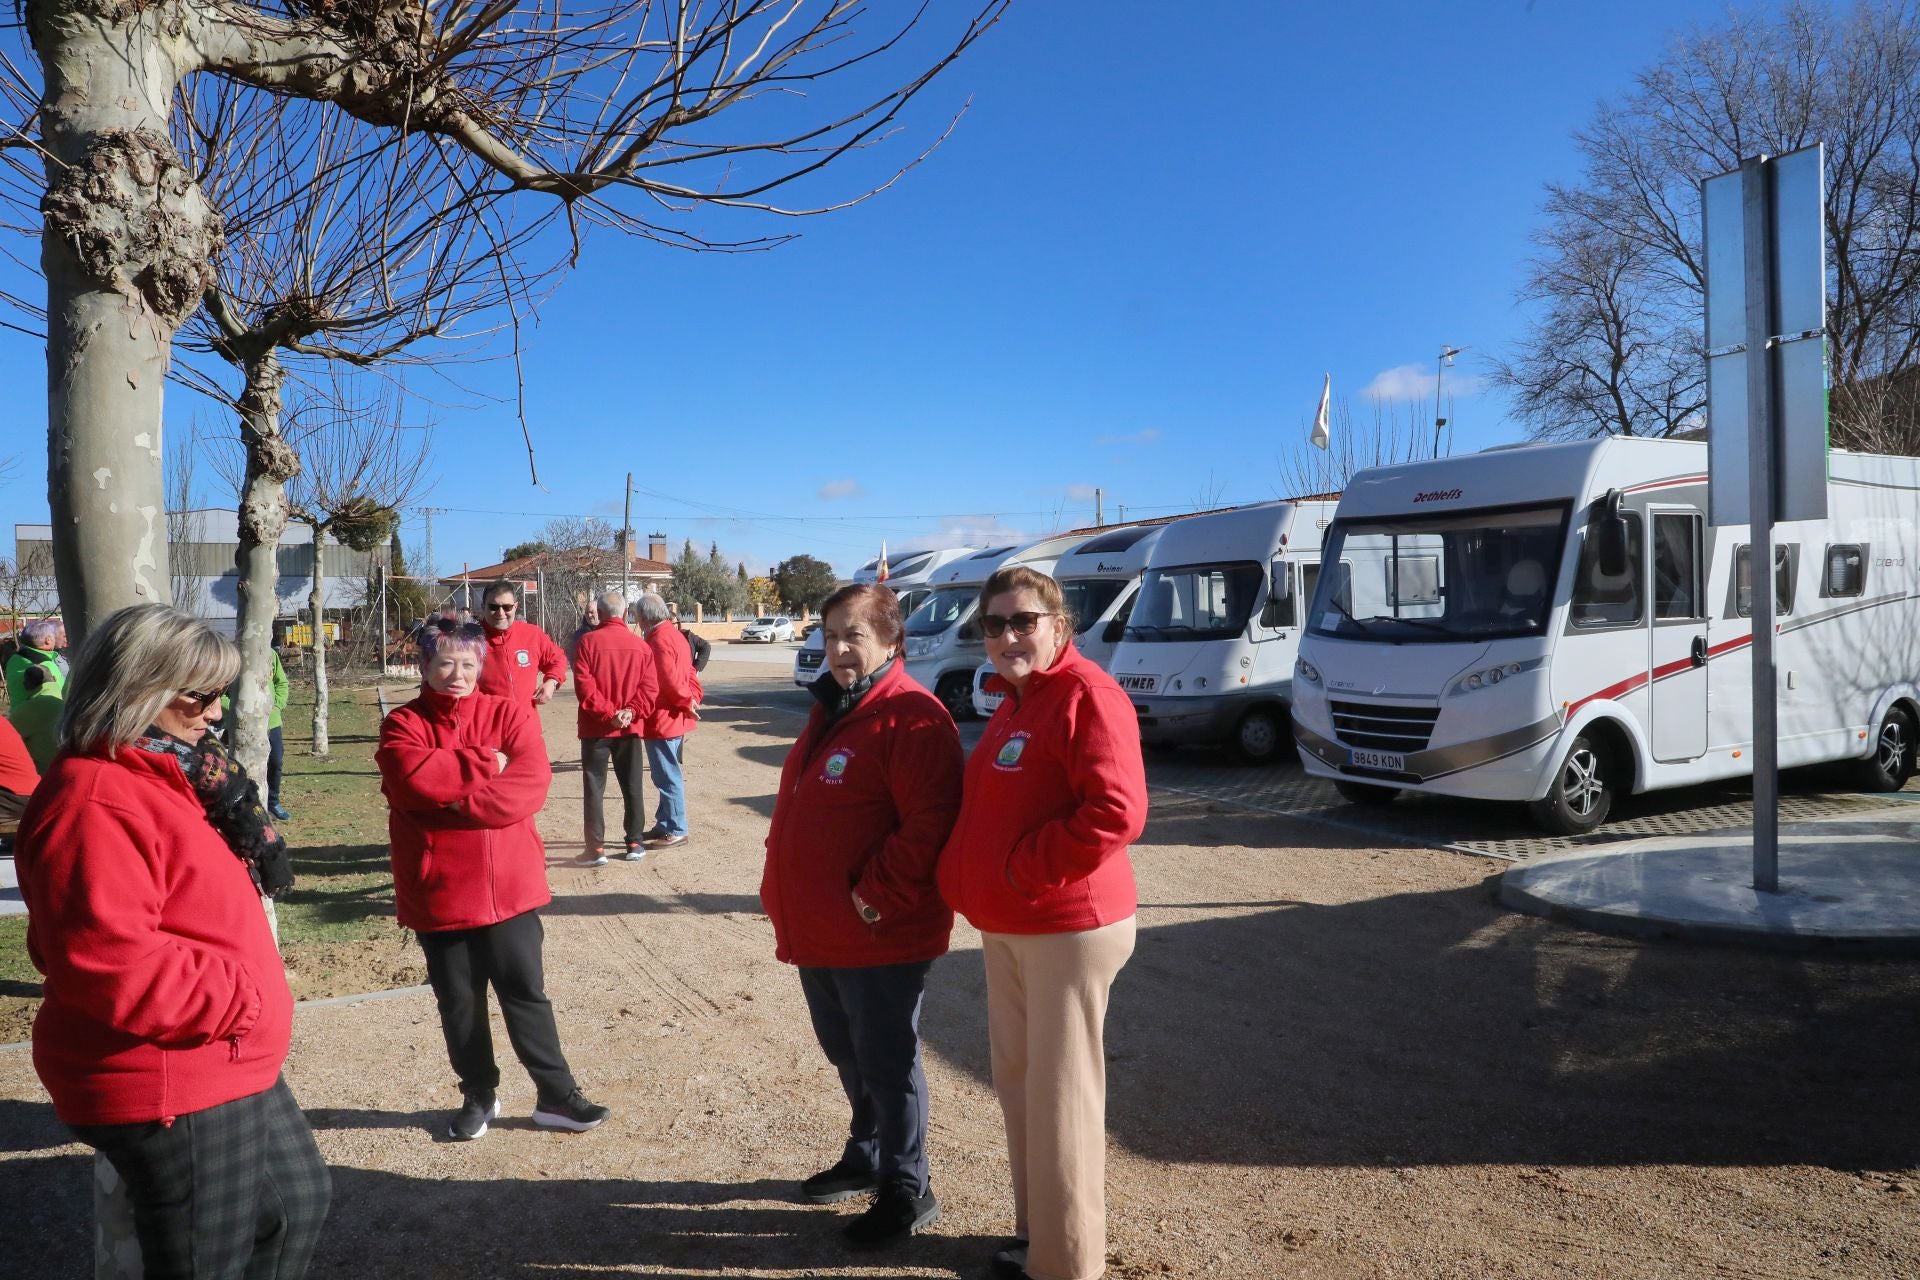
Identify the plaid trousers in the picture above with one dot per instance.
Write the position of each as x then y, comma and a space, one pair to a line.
238, 1190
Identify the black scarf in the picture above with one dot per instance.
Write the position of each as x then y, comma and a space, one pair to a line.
838, 700
232, 803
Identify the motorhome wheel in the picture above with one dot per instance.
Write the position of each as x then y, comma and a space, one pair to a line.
1891, 763
1582, 791
956, 691
1367, 795
1261, 737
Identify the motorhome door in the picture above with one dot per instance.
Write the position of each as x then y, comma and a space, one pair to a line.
1677, 659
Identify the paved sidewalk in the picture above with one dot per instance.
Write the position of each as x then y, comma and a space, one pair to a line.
1847, 886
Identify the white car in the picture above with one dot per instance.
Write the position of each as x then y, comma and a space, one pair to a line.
768, 629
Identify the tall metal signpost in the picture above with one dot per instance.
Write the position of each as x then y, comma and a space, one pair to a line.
1765, 240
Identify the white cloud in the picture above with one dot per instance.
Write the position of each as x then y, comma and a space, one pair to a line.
1146, 435
1081, 492
1415, 382
833, 490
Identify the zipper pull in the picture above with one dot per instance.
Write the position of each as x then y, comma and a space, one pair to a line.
234, 1044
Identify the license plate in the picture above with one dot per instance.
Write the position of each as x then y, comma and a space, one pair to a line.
1138, 684
1391, 761
810, 659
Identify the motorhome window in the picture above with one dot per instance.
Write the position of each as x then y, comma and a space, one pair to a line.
941, 610
911, 565
1087, 598
1309, 581
1676, 566
1603, 599
1782, 580
1195, 602
1471, 575
1846, 570
1118, 540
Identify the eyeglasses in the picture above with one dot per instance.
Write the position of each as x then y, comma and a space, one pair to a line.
200, 701
1021, 624
465, 630
508, 607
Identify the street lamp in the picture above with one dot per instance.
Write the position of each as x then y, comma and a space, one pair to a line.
1447, 354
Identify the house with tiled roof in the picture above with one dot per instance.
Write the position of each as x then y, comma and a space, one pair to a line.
563, 581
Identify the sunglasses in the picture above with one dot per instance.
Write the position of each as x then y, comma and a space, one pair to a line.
468, 630
1021, 624
508, 607
200, 701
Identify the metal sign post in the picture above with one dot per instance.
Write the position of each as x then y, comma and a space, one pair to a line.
1765, 243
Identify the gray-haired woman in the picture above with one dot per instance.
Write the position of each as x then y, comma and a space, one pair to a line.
166, 1015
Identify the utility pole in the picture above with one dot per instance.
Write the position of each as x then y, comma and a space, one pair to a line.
1098, 519
626, 542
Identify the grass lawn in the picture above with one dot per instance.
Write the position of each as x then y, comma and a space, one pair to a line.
337, 930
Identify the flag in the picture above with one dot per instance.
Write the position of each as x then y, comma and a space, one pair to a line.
882, 575
1320, 436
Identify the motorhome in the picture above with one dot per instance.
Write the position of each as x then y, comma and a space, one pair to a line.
944, 643
1100, 579
1558, 625
1207, 652
910, 578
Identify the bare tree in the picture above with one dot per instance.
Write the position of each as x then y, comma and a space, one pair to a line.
26, 585
1621, 276
633, 115
579, 562
1381, 437
359, 468
187, 586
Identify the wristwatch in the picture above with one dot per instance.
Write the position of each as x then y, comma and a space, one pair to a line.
870, 914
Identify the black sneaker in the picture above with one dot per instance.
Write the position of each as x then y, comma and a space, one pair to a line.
842, 1182
896, 1214
470, 1121
576, 1113
635, 852
1010, 1263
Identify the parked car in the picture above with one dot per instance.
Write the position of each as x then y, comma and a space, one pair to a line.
768, 629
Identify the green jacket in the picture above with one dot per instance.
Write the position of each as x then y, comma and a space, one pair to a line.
281, 686
38, 720
16, 674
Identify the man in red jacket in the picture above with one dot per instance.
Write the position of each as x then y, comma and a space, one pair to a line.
673, 717
614, 677
523, 663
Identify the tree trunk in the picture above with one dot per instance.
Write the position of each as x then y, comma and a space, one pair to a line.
126, 248
321, 745
263, 518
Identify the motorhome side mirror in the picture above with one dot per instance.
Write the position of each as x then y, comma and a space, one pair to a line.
1611, 530
1279, 608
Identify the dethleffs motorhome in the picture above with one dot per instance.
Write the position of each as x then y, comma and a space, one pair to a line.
910, 578
1207, 654
1099, 580
1557, 624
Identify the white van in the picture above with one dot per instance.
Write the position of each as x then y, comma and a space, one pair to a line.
1100, 579
1557, 625
1208, 650
909, 578
944, 644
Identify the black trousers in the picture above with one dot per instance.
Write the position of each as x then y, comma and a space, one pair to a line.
276, 757
461, 963
868, 1023
237, 1190
629, 766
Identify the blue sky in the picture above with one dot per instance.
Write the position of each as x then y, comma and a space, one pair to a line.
1154, 230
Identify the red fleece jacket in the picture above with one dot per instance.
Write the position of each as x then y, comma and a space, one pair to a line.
518, 659
17, 773
164, 993
1055, 793
680, 692
613, 671
465, 850
864, 805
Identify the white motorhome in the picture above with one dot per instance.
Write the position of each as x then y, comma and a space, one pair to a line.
1100, 579
1558, 625
944, 643
1207, 652
909, 577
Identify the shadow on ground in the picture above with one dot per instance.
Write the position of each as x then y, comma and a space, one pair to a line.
1433, 1028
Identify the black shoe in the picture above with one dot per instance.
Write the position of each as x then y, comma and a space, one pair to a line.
576, 1113
842, 1182
896, 1214
1010, 1263
470, 1121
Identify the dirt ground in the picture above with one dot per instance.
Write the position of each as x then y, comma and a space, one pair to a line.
1327, 1059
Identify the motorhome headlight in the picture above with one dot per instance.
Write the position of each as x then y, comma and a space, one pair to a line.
1306, 671
921, 646
1494, 675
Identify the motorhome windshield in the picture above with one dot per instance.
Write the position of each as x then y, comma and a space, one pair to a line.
1469, 575
1195, 601
1088, 598
941, 610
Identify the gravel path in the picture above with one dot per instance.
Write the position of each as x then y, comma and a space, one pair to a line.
1327, 1059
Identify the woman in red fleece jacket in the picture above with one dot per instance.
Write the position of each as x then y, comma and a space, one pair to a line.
866, 798
1055, 792
465, 773
166, 1015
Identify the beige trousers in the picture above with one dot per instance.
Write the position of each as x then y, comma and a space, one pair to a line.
1046, 1010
